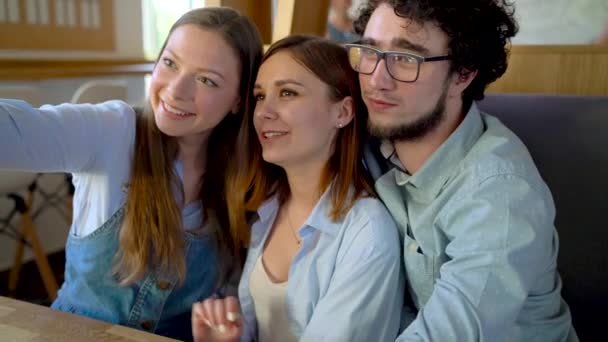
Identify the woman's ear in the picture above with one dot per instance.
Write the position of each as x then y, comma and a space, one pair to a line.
237, 106
346, 112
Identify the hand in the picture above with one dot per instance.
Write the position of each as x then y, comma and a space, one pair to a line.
217, 320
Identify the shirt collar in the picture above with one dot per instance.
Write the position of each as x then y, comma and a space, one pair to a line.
434, 173
319, 218
268, 209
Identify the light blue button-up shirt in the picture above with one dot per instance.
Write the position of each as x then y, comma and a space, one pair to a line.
479, 244
345, 283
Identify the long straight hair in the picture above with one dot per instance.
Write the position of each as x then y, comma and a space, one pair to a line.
254, 180
152, 235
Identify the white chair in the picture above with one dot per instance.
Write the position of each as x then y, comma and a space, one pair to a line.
100, 91
25, 93
12, 187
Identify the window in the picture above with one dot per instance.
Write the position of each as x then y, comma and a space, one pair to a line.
158, 16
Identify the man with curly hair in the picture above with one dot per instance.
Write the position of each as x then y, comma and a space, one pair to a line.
480, 247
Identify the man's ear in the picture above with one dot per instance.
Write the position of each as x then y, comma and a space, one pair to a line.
462, 80
346, 112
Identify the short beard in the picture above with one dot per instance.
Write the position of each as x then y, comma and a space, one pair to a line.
414, 130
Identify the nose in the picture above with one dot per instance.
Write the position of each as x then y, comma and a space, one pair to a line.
265, 109
380, 79
181, 87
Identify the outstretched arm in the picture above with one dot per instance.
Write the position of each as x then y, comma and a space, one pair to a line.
64, 138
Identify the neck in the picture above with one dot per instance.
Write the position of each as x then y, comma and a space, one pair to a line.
193, 156
303, 189
414, 153
193, 152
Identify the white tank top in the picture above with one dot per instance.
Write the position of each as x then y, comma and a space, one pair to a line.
270, 303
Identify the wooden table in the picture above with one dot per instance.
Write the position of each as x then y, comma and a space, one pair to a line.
25, 322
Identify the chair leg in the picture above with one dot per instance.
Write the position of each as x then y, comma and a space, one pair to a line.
48, 278
28, 235
13, 279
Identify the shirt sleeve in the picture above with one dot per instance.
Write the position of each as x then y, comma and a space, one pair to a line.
502, 250
365, 297
63, 138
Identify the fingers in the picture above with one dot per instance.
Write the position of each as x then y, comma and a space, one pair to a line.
218, 310
200, 328
216, 317
233, 310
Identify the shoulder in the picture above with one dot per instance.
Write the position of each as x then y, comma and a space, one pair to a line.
113, 125
498, 157
368, 210
118, 119
369, 227
497, 179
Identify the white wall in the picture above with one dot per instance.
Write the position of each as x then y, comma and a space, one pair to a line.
57, 91
51, 226
128, 36
560, 21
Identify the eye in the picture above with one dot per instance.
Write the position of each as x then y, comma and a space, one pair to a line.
206, 81
288, 93
169, 62
258, 97
405, 59
368, 52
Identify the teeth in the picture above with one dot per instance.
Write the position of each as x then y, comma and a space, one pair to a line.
174, 110
273, 134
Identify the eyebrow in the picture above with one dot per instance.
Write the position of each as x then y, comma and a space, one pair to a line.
400, 43
279, 83
406, 44
197, 69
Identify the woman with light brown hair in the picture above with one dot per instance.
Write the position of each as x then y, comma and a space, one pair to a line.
150, 230
324, 259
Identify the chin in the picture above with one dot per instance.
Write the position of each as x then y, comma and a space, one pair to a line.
380, 131
165, 127
374, 123
273, 158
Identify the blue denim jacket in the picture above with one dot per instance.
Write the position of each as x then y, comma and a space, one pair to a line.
96, 144
155, 304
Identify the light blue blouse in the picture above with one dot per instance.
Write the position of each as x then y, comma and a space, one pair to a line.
345, 283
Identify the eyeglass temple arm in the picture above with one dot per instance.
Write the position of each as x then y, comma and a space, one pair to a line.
437, 58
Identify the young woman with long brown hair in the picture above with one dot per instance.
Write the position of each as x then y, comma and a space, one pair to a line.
323, 259
149, 235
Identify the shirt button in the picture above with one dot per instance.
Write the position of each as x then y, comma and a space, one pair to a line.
163, 285
146, 325
413, 247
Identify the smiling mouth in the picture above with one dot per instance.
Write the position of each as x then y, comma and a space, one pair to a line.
175, 111
273, 134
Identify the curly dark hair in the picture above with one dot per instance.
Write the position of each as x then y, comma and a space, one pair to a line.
479, 34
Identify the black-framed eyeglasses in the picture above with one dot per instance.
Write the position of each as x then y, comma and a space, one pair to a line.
402, 66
